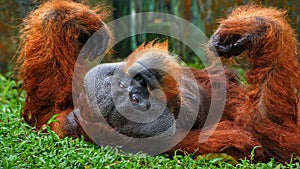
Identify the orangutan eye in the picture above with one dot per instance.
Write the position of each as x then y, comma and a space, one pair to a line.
135, 98
140, 102
121, 85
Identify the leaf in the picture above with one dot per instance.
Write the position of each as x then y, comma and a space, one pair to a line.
52, 119
218, 157
277, 167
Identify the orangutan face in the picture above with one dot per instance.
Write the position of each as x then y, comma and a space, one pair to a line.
147, 95
125, 102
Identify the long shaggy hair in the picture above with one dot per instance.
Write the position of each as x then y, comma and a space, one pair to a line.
268, 117
51, 39
263, 114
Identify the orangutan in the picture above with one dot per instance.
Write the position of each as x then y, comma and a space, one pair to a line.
263, 114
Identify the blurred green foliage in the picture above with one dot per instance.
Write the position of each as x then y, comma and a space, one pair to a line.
202, 13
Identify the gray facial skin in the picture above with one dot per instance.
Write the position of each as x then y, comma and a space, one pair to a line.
124, 102
133, 101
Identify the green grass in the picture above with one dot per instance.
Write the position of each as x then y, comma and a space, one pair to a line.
23, 147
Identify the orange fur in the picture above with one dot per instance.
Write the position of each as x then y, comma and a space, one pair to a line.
169, 64
265, 114
268, 116
49, 47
